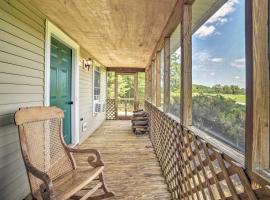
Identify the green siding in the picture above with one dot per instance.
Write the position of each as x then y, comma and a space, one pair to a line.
22, 33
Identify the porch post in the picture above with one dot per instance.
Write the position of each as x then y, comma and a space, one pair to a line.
257, 63
166, 74
153, 96
158, 94
186, 66
116, 93
150, 83
146, 84
136, 102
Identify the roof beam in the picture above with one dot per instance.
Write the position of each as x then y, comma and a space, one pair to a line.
125, 69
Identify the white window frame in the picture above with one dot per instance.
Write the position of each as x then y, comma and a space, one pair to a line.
52, 30
99, 100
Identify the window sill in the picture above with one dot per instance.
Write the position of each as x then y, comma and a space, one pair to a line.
234, 154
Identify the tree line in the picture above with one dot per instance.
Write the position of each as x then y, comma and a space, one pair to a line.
218, 89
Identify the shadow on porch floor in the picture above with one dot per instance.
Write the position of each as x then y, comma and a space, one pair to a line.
131, 167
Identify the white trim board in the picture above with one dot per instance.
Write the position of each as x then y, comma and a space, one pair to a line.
52, 30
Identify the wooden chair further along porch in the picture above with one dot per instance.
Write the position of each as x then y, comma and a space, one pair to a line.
51, 168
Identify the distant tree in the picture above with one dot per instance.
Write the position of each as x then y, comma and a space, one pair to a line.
226, 89
111, 85
217, 88
175, 84
220, 115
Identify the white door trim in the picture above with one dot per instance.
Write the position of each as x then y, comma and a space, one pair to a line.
52, 30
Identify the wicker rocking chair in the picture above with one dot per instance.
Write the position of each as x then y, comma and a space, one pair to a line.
50, 164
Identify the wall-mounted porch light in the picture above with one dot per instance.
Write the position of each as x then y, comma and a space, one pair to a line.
87, 63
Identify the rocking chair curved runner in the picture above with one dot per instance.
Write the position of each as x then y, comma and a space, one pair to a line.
51, 167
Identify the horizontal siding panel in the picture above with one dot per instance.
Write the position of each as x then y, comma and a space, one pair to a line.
8, 193
20, 70
20, 98
8, 139
20, 24
23, 26
9, 28
28, 10
86, 87
12, 108
21, 15
85, 90
86, 95
29, 5
14, 177
10, 171
86, 78
85, 82
9, 159
13, 166
7, 37
20, 89
21, 192
6, 119
18, 79
5, 130
16, 60
10, 148
15, 50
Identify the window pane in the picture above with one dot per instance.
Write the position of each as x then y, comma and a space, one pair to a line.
111, 85
97, 79
162, 78
218, 73
96, 84
174, 107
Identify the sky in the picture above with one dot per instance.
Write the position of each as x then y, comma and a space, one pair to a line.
218, 47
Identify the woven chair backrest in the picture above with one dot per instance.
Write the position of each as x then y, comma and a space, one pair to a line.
40, 130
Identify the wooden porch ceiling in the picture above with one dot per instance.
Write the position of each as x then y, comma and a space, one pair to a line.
118, 33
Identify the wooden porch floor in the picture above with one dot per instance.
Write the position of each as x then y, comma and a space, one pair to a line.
131, 167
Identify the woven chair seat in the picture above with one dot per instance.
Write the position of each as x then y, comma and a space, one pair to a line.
69, 184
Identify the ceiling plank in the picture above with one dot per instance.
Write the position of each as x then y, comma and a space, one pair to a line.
120, 33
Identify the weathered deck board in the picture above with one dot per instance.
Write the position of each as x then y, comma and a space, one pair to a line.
131, 168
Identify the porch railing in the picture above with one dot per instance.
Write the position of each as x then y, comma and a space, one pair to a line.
193, 168
126, 105
111, 109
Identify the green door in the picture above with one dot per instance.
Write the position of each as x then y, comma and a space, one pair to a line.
60, 86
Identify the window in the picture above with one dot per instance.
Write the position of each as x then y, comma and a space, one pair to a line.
162, 78
174, 107
96, 84
218, 75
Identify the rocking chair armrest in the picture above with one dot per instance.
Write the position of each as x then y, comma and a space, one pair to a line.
94, 159
47, 186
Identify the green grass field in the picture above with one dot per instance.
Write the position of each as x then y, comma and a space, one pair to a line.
241, 99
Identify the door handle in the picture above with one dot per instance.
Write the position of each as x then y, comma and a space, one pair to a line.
70, 102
